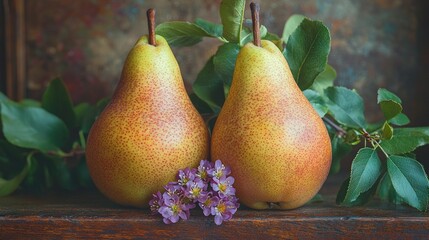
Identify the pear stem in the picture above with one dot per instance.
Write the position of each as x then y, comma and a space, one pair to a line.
254, 7
151, 26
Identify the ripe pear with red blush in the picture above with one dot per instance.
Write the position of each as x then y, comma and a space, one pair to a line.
276, 144
149, 130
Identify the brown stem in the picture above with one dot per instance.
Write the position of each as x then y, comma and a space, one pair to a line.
339, 129
151, 26
254, 7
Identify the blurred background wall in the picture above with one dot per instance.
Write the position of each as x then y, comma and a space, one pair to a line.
375, 43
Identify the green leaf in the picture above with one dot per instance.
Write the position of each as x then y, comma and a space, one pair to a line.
324, 79
307, 52
366, 169
387, 192
385, 95
210, 123
390, 103
272, 37
361, 200
352, 137
180, 34
31, 127
406, 140
346, 106
247, 34
201, 106
232, 15
409, 180
61, 173
410, 155
9, 186
224, 62
83, 177
316, 101
386, 131
92, 114
317, 198
343, 191
291, 25
57, 101
80, 112
35, 180
339, 150
372, 127
400, 120
3, 97
12, 159
209, 86
30, 103
213, 29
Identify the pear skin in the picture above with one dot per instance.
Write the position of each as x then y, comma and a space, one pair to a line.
276, 144
149, 130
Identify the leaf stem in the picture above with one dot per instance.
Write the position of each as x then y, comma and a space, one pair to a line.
72, 153
340, 131
254, 7
82, 139
381, 148
151, 26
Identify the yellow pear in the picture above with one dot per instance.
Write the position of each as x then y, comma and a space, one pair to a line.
277, 146
149, 130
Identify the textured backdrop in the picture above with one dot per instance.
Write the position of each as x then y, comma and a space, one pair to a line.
374, 42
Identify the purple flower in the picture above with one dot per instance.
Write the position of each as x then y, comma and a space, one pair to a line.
173, 209
185, 176
206, 202
223, 209
219, 170
173, 188
196, 189
223, 186
156, 202
192, 186
202, 170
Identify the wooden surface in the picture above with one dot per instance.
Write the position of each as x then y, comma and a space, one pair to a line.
90, 215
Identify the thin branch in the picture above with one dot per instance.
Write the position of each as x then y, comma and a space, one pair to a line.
73, 153
340, 130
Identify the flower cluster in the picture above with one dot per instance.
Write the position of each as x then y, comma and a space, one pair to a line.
209, 186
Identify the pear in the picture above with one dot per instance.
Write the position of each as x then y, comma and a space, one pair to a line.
149, 130
277, 146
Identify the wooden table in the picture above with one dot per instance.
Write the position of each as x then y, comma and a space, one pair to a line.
90, 215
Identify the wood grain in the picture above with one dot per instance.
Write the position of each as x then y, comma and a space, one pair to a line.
90, 215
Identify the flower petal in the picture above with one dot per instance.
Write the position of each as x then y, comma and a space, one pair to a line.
218, 219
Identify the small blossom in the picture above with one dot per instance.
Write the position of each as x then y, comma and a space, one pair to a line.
173, 209
156, 202
206, 203
202, 170
223, 209
195, 189
173, 188
219, 170
223, 186
185, 176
